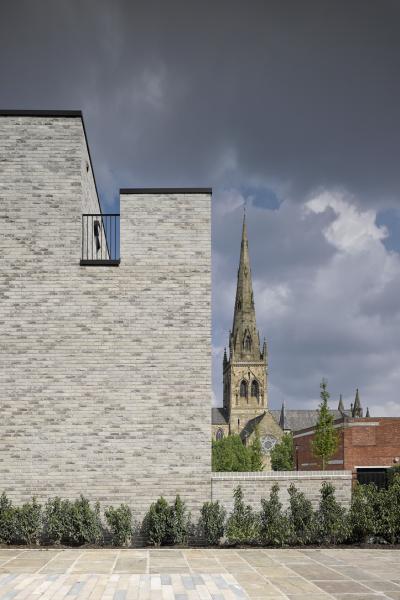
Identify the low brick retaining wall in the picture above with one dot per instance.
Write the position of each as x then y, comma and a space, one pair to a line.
258, 485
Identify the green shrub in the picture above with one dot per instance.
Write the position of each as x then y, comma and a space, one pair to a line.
120, 524
165, 524
211, 523
301, 517
7, 520
156, 523
274, 526
178, 522
389, 511
242, 525
362, 515
73, 523
332, 522
28, 522
83, 523
58, 520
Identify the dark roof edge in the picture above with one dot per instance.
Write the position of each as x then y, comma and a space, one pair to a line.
57, 113
166, 190
40, 113
90, 160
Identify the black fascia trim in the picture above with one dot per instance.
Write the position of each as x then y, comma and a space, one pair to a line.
166, 190
57, 113
40, 113
100, 263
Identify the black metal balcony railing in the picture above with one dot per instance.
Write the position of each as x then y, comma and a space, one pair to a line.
100, 240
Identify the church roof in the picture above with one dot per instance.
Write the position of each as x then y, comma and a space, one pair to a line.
301, 419
219, 416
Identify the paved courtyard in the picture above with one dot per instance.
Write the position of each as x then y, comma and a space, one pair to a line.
199, 574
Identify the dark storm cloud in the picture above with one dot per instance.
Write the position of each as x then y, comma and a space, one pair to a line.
306, 93
271, 102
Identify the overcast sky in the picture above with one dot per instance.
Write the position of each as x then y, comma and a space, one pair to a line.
292, 106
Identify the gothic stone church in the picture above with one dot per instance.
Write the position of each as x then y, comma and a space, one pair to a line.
245, 373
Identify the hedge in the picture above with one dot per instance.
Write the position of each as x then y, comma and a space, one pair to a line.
373, 517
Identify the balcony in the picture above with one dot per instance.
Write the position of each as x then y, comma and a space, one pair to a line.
100, 240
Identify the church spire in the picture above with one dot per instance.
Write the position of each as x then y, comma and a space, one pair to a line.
245, 339
357, 410
341, 405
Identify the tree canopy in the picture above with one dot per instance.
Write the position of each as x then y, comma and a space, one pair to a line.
229, 454
282, 454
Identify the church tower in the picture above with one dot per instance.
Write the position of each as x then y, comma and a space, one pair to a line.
245, 372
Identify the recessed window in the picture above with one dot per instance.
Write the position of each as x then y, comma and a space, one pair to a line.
255, 388
243, 389
219, 435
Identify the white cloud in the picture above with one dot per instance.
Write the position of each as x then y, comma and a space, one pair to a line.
326, 296
352, 230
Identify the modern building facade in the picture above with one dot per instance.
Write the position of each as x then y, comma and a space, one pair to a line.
103, 349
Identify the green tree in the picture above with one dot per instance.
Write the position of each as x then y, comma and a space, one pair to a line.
326, 439
362, 514
332, 519
156, 522
243, 525
212, 522
7, 520
389, 511
119, 520
229, 454
301, 517
282, 454
274, 525
178, 522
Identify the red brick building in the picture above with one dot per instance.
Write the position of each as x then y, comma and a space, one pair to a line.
367, 446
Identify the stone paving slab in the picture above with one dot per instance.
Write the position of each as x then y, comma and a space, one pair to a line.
199, 574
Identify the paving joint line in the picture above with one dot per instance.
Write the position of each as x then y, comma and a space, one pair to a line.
351, 579
115, 561
266, 580
69, 570
14, 557
49, 561
187, 562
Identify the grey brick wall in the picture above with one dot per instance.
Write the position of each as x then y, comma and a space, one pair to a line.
258, 485
105, 373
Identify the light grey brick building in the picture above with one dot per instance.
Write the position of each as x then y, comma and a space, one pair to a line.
105, 331
105, 354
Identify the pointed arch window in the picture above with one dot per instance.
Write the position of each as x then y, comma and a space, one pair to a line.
247, 342
243, 389
255, 388
219, 435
